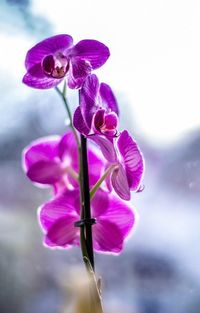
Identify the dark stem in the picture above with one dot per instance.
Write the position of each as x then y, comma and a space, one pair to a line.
86, 200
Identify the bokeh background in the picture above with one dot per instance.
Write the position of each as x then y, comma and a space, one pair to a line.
154, 70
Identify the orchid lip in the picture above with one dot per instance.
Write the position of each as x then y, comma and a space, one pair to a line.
55, 66
105, 122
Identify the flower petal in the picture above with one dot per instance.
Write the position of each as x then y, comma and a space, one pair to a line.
120, 183
121, 214
79, 122
48, 46
63, 233
43, 149
93, 51
96, 166
68, 150
57, 208
79, 70
40, 81
132, 159
99, 119
45, 172
88, 98
107, 237
106, 146
100, 203
108, 98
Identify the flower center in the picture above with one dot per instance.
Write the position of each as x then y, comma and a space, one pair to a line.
55, 66
106, 123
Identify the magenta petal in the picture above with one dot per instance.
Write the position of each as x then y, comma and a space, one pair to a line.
68, 146
107, 148
108, 98
100, 203
43, 82
48, 46
88, 98
45, 172
43, 149
121, 214
63, 232
79, 122
99, 118
96, 166
57, 208
36, 71
80, 69
120, 183
107, 237
68, 150
111, 121
132, 159
93, 51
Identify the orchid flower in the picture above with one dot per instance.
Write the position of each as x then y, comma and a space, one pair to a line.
126, 161
54, 161
114, 221
98, 110
55, 58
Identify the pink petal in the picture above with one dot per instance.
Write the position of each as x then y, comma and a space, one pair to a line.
108, 98
53, 210
41, 162
132, 159
79, 122
111, 123
88, 98
43, 149
44, 82
121, 214
96, 166
46, 47
79, 70
120, 183
107, 148
100, 203
63, 233
68, 150
45, 172
99, 118
93, 51
107, 237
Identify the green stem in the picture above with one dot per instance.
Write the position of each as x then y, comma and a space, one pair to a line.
100, 181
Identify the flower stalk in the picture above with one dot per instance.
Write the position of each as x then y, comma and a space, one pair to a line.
86, 200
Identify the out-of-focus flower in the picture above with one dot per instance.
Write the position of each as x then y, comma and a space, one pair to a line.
98, 109
127, 162
54, 161
54, 58
114, 221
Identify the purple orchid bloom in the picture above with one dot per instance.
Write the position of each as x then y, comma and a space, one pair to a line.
54, 58
126, 160
98, 110
114, 221
54, 161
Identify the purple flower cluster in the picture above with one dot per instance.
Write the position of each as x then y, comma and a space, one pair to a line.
115, 161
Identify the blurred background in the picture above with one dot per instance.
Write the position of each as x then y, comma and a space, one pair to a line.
154, 70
